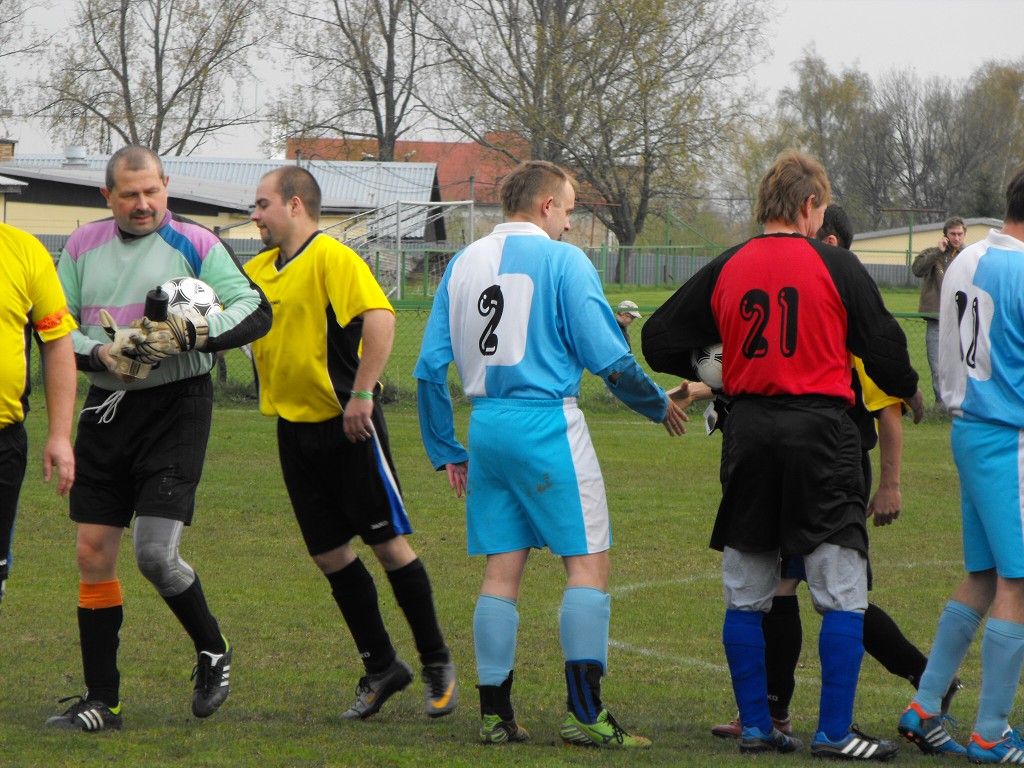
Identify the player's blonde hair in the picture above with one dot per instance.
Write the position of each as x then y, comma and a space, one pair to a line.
529, 181
793, 177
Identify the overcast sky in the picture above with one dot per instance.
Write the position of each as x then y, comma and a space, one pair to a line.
946, 38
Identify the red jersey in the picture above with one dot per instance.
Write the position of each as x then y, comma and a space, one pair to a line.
786, 309
782, 323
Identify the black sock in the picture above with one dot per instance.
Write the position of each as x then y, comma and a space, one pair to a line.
193, 613
783, 637
411, 586
98, 630
884, 640
356, 596
497, 699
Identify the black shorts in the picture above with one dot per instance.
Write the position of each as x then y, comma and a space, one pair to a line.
147, 459
13, 459
792, 477
340, 489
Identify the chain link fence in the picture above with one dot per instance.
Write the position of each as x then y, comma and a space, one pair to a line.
235, 377
410, 272
399, 383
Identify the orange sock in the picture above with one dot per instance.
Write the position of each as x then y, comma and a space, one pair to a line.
103, 594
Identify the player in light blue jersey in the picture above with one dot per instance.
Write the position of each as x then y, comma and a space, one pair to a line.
521, 315
981, 367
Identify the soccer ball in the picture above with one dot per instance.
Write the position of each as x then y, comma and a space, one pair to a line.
707, 362
191, 297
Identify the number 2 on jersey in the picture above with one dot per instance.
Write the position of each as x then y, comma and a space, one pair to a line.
755, 308
491, 303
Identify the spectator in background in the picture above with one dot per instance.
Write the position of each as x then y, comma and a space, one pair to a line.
930, 265
625, 314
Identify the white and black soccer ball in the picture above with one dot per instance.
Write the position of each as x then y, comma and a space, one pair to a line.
707, 362
191, 297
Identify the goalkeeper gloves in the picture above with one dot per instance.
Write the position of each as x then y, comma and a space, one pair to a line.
123, 343
163, 338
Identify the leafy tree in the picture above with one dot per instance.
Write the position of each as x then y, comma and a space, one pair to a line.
150, 72
994, 129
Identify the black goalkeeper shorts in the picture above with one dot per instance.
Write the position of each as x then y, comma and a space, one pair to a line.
147, 458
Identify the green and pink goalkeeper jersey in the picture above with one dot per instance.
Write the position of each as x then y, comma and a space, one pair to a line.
102, 268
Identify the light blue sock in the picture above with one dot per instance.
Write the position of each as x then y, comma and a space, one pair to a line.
583, 625
495, 624
744, 650
1002, 654
958, 625
841, 650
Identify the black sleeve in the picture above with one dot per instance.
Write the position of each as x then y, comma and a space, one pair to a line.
684, 323
253, 327
872, 333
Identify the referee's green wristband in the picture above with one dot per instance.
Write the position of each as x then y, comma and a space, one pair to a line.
362, 395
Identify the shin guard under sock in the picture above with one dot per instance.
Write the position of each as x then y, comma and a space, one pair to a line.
841, 649
356, 596
100, 615
783, 638
192, 611
415, 597
886, 643
744, 650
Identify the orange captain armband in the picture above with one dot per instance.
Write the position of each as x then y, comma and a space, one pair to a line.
51, 321
103, 594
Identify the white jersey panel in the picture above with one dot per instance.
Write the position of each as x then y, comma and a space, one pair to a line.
981, 332
521, 316
496, 332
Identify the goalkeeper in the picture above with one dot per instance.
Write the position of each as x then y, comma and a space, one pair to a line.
142, 441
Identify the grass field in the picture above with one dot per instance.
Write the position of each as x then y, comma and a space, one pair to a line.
295, 668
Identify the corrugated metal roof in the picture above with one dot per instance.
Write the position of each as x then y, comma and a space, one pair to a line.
231, 182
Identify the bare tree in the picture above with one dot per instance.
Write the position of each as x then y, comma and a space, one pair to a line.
359, 63
17, 39
151, 72
837, 117
632, 94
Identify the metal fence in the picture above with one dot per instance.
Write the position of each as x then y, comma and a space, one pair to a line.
409, 272
236, 379
411, 269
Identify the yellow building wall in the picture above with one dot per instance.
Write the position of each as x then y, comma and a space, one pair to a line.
42, 219
892, 249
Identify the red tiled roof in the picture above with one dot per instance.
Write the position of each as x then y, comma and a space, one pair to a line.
457, 162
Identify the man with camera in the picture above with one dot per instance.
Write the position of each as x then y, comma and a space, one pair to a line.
931, 265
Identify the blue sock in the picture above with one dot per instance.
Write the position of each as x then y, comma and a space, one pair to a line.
744, 650
841, 649
958, 625
1002, 653
584, 625
495, 624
